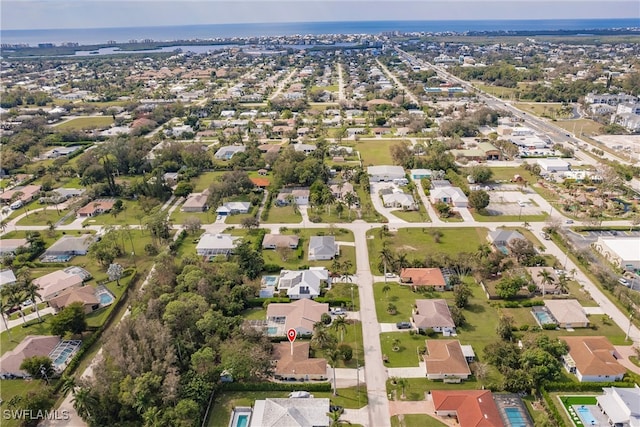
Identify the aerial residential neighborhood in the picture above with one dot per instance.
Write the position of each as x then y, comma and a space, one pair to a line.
391, 229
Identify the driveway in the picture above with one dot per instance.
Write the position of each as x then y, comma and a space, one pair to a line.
377, 202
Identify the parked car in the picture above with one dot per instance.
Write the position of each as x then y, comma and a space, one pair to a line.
623, 282
403, 325
338, 311
569, 221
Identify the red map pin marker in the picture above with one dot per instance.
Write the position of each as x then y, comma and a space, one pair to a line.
291, 334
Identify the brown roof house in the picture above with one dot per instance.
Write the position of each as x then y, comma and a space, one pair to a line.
29, 192
421, 277
297, 366
53, 284
593, 359
96, 207
85, 295
274, 241
446, 361
473, 408
567, 312
32, 345
433, 314
544, 288
300, 315
196, 202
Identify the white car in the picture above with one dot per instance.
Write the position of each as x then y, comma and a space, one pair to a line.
623, 282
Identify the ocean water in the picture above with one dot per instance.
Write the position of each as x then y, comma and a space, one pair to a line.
190, 32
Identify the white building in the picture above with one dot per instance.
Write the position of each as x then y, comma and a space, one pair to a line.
216, 244
553, 165
621, 405
399, 201
303, 283
623, 252
385, 173
303, 412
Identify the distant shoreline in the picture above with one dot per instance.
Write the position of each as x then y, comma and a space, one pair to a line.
224, 32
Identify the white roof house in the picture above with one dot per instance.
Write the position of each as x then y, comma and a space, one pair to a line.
449, 195
7, 277
303, 283
621, 405
216, 244
553, 164
322, 248
385, 173
227, 152
231, 208
567, 312
292, 412
399, 200
624, 252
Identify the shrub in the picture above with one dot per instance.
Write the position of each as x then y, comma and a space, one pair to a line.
272, 386
346, 351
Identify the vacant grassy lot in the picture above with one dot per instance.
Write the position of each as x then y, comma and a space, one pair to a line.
408, 344
507, 218
43, 217
417, 242
12, 388
410, 420
81, 123
581, 126
130, 214
376, 152
401, 296
501, 174
547, 109
179, 217
283, 215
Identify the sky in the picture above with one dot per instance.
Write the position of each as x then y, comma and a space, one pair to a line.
48, 14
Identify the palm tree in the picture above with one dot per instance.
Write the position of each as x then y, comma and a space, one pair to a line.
84, 402
334, 418
562, 283
15, 297
545, 278
32, 290
332, 356
350, 199
387, 258
321, 337
4, 308
68, 385
345, 267
404, 384
3, 225
483, 251
339, 324
395, 344
385, 290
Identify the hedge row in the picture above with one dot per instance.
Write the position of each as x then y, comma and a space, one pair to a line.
273, 386
263, 302
551, 408
586, 386
335, 302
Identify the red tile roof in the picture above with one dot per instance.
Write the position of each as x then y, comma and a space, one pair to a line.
474, 408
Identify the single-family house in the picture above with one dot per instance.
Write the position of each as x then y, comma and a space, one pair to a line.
297, 366
232, 208
621, 406
420, 173
298, 412
424, 277
303, 283
399, 200
450, 195
300, 315
304, 148
96, 207
433, 314
86, 295
7, 277
472, 408
339, 190
501, 237
29, 192
445, 360
30, 346
53, 284
568, 313
9, 246
212, 245
274, 241
68, 246
261, 182
592, 359
196, 202
299, 196
385, 173
322, 248
56, 152
228, 151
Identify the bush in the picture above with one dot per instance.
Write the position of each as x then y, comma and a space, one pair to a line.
549, 326
345, 351
524, 327
272, 386
271, 268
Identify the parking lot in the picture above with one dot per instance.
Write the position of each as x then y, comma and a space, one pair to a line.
507, 203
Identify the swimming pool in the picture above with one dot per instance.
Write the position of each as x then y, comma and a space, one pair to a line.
240, 417
270, 280
56, 258
586, 416
64, 351
272, 330
105, 297
516, 419
243, 421
543, 317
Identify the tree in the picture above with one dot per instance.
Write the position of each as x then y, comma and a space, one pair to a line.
546, 279
68, 384
250, 261
521, 249
339, 324
250, 222
350, 198
333, 355
385, 290
480, 174
508, 287
69, 319
479, 199
395, 344
84, 402
457, 316
115, 272
505, 328
38, 367
32, 290
403, 383
15, 296
481, 371
443, 209
461, 294
192, 224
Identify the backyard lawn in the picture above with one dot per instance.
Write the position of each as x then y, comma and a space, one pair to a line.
417, 242
43, 217
131, 213
411, 420
408, 344
81, 123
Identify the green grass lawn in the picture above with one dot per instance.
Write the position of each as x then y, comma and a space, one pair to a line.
179, 217
417, 388
203, 181
507, 173
254, 314
508, 218
402, 296
545, 109
343, 290
43, 217
420, 215
130, 215
412, 420
407, 355
417, 242
98, 317
283, 215
376, 152
81, 123
238, 218
588, 126
353, 337
12, 388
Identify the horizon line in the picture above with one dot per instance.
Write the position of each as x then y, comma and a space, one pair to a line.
336, 21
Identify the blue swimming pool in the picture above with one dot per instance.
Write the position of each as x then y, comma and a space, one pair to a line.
272, 330
586, 416
64, 351
270, 280
543, 317
243, 421
516, 419
105, 299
